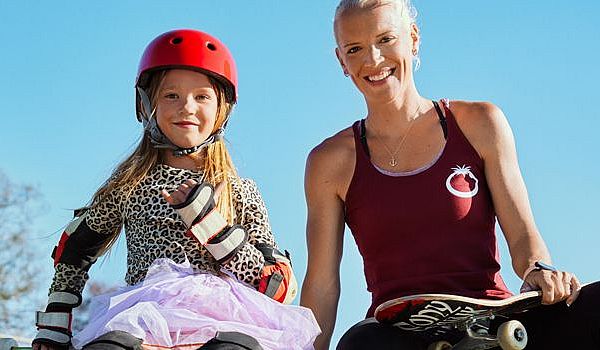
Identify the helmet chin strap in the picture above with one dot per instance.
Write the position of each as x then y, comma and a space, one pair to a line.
158, 138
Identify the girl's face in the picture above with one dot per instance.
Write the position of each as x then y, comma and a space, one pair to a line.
186, 107
375, 48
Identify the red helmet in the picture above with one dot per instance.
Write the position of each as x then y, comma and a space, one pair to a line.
189, 49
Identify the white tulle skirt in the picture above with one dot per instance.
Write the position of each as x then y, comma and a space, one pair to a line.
176, 307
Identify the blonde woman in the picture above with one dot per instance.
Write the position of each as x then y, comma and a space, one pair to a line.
420, 183
203, 268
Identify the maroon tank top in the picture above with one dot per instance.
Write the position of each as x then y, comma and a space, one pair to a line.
427, 231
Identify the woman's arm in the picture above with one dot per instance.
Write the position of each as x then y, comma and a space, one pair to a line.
324, 231
487, 129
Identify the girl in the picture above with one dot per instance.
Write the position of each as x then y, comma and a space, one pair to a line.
202, 263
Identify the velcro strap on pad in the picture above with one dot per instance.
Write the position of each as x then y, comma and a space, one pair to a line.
75, 223
209, 226
225, 245
278, 256
56, 320
275, 280
272, 254
196, 205
53, 337
64, 299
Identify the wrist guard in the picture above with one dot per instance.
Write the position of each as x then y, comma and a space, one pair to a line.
207, 226
54, 324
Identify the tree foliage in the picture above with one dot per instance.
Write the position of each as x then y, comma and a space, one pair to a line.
18, 263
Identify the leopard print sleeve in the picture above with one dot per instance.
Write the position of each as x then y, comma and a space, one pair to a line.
102, 217
68, 277
252, 215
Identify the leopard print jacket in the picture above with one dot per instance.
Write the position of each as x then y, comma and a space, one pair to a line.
154, 230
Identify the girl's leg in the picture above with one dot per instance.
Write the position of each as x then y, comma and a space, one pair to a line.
369, 334
561, 327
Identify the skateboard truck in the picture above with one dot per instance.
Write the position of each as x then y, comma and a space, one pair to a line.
510, 335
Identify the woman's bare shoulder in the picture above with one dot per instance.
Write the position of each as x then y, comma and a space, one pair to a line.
332, 161
334, 148
476, 114
483, 123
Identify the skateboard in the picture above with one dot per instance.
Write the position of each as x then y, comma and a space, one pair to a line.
461, 323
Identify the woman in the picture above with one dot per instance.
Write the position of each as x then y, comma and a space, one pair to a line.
420, 184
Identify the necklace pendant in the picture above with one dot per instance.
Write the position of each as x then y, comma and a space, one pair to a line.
393, 162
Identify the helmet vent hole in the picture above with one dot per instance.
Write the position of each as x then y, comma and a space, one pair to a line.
176, 41
211, 46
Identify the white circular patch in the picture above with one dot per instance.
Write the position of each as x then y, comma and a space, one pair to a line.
464, 171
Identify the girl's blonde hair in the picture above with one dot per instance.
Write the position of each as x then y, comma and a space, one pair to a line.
215, 160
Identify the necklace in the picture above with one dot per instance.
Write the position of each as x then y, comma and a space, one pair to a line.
392, 155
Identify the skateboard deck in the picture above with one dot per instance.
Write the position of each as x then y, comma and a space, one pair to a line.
457, 322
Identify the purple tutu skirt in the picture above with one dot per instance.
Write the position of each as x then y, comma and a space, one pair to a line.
176, 306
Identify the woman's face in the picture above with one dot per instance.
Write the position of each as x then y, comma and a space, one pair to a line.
375, 47
186, 107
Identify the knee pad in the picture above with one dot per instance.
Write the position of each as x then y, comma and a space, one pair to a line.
232, 341
115, 340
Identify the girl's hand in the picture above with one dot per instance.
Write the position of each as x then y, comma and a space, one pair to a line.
181, 193
556, 286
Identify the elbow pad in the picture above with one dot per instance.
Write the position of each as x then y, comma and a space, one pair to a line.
79, 245
277, 277
207, 226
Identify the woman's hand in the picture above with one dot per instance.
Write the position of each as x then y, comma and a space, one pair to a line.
556, 286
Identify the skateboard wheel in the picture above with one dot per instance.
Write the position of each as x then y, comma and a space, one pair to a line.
440, 345
512, 335
8, 343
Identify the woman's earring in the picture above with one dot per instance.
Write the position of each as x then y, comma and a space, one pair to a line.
416, 59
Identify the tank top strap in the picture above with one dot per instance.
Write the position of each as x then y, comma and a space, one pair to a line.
442, 119
360, 142
456, 138
450, 119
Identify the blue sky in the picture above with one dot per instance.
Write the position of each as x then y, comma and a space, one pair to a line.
68, 105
